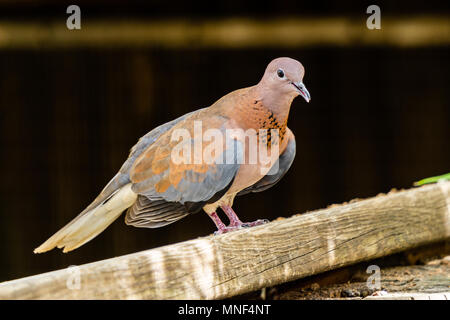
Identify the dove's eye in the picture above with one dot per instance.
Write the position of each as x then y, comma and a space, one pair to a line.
280, 73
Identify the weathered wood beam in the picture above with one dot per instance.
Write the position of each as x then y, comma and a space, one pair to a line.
238, 262
280, 32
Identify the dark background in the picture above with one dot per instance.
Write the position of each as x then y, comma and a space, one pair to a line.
379, 119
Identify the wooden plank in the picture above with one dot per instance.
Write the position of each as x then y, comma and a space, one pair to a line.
280, 32
250, 259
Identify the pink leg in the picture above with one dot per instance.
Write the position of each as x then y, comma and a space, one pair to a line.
232, 216
236, 223
221, 227
219, 224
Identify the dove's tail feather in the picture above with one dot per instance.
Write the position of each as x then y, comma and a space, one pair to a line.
88, 225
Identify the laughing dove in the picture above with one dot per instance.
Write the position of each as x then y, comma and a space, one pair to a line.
194, 162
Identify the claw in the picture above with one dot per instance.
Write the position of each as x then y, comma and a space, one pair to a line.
235, 223
235, 227
254, 223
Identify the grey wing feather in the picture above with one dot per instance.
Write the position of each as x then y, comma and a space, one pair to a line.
195, 186
284, 162
146, 213
154, 210
123, 177
149, 139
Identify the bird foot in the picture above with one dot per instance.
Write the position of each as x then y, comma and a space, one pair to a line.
254, 223
237, 226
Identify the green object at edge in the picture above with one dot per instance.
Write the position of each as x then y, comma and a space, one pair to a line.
432, 179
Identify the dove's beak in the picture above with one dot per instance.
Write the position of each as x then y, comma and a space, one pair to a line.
302, 90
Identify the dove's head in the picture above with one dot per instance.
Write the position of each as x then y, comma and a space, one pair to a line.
284, 76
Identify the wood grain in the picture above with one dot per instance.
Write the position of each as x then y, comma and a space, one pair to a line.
287, 249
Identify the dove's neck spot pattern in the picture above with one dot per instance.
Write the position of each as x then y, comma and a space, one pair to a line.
257, 116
